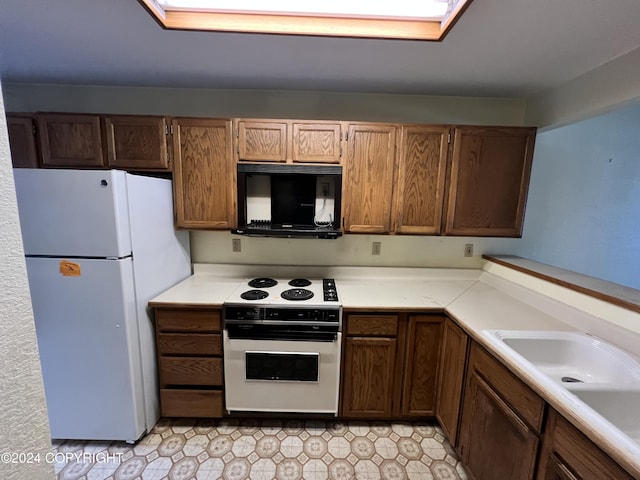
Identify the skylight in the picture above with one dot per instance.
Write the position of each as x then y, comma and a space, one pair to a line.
405, 19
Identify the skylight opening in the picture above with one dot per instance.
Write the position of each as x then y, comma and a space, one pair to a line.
400, 9
396, 19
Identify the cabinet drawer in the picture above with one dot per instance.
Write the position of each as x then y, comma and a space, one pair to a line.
190, 371
524, 401
188, 320
189, 344
191, 403
372, 325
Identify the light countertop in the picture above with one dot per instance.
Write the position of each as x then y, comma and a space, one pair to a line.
476, 299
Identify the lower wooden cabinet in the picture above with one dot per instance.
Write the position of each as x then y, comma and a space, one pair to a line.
453, 360
390, 365
422, 353
569, 455
369, 377
501, 421
189, 348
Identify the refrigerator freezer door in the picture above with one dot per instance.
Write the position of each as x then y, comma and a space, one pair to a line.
82, 213
161, 259
85, 316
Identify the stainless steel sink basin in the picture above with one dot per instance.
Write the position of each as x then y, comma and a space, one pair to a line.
571, 359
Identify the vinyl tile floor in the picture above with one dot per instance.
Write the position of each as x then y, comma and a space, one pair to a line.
267, 449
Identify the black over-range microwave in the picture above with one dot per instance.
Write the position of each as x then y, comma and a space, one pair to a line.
289, 200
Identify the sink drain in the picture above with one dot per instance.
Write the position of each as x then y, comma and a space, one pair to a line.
571, 380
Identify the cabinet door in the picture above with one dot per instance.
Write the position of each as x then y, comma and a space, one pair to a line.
22, 141
369, 365
490, 170
368, 179
568, 454
419, 193
421, 365
494, 442
556, 470
453, 358
203, 174
317, 142
70, 140
262, 141
136, 142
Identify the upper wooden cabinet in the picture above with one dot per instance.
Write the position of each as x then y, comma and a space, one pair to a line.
203, 173
490, 170
368, 178
129, 142
420, 183
22, 140
262, 141
136, 142
287, 141
70, 140
316, 142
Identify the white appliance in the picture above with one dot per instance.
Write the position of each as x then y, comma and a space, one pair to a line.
99, 245
282, 346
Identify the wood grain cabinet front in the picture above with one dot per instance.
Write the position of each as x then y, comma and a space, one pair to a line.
490, 169
390, 365
420, 182
501, 421
137, 142
368, 178
453, 360
22, 140
70, 140
189, 350
567, 454
204, 177
288, 141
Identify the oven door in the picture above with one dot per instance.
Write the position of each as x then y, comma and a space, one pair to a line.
281, 375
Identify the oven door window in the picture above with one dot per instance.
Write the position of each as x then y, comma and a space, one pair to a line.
294, 367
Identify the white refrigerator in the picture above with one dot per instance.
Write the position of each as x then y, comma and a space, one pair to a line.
99, 244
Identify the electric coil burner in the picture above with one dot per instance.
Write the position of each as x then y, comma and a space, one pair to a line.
282, 346
254, 295
297, 294
264, 291
263, 282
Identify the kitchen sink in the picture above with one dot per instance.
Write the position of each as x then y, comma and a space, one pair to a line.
618, 406
571, 359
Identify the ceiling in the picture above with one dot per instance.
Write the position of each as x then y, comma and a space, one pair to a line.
506, 48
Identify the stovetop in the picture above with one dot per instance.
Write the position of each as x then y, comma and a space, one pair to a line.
286, 292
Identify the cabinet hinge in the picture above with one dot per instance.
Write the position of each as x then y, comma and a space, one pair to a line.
171, 129
166, 129
448, 137
346, 136
34, 129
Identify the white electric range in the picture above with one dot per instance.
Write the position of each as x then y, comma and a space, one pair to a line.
282, 342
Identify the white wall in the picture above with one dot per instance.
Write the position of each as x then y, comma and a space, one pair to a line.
396, 250
606, 88
24, 426
583, 212
262, 103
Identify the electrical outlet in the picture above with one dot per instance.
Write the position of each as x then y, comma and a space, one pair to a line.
236, 246
376, 247
468, 250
